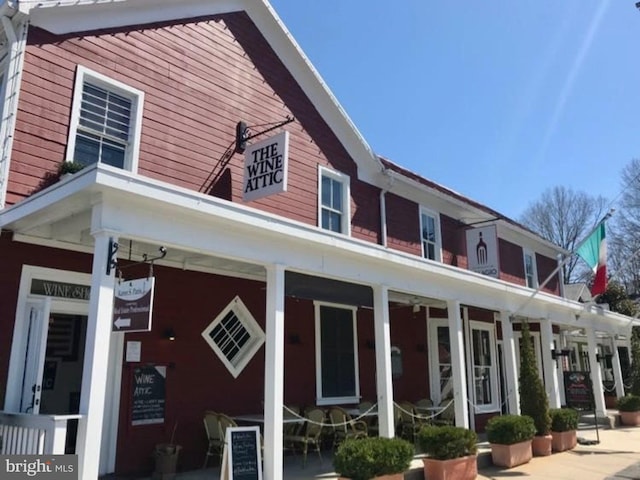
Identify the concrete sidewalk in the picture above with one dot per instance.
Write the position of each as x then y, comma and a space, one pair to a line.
616, 457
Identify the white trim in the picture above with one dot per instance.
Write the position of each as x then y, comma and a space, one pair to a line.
528, 252
320, 400
247, 352
68, 306
345, 181
132, 151
438, 239
494, 406
434, 357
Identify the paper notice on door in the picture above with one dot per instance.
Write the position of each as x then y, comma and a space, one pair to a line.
133, 351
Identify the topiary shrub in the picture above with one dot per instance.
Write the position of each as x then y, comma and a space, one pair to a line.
510, 429
447, 442
563, 419
363, 459
533, 398
629, 403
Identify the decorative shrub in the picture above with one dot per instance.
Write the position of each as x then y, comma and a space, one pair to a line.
447, 442
629, 403
563, 419
363, 459
70, 167
510, 429
533, 398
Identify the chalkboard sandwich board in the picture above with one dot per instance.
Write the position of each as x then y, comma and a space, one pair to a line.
242, 457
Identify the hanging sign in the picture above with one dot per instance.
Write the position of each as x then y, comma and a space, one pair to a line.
241, 459
482, 250
148, 394
132, 305
266, 167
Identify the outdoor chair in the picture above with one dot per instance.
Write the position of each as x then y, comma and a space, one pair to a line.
370, 418
310, 434
216, 442
344, 426
446, 416
409, 424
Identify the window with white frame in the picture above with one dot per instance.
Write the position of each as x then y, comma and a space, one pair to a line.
484, 371
235, 336
106, 121
333, 205
530, 270
337, 379
440, 352
430, 234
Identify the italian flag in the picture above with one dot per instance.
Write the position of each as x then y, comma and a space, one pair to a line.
594, 251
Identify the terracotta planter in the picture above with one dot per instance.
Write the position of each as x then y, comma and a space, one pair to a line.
631, 419
393, 476
511, 455
610, 401
541, 445
463, 468
562, 441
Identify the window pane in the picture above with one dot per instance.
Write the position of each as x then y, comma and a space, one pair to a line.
481, 349
113, 155
337, 352
87, 150
483, 385
326, 191
336, 195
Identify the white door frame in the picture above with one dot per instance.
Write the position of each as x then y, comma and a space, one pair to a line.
19, 344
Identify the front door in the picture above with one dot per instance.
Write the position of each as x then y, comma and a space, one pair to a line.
37, 326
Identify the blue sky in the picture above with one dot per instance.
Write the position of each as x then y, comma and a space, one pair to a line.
498, 100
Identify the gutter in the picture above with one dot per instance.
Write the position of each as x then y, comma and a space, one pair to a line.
16, 37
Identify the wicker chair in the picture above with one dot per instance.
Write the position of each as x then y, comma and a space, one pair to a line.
344, 426
310, 434
216, 441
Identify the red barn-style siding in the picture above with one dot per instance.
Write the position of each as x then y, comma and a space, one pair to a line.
199, 78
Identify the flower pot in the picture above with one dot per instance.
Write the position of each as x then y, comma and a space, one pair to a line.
631, 419
463, 468
562, 441
610, 401
541, 445
166, 461
511, 455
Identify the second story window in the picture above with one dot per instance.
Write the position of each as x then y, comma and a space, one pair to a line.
430, 235
530, 273
105, 123
333, 202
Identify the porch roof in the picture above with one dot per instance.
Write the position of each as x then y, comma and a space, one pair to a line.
205, 233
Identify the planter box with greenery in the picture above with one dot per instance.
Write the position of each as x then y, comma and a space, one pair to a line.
510, 438
451, 452
629, 408
564, 424
533, 398
68, 168
373, 457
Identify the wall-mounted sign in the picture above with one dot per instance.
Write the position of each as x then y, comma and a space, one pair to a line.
266, 167
132, 305
60, 289
148, 395
482, 251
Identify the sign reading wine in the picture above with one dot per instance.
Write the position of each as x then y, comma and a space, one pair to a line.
265, 167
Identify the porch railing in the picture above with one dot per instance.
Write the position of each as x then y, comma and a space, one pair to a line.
26, 434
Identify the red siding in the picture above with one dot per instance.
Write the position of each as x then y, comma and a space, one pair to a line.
511, 262
545, 266
403, 224
454, 250
199, 79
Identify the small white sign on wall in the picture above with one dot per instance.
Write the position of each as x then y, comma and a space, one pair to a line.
134, 349
266, 167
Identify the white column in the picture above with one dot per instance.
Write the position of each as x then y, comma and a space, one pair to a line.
274, 374
510, 369
461, 400
617, 368
96, 360
596, 374
550, 371
382, 332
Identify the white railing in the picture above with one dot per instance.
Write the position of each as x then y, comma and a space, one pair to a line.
26, 434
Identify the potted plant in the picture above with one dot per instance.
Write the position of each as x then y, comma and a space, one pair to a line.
533, 398
451, 452
510, 438
629, 408
166, 457
564, 424
68, 168
373, 457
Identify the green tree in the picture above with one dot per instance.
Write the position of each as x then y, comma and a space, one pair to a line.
618, 299
635, 362
533, 398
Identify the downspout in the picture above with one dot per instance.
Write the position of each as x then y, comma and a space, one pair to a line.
383, 217
16, 38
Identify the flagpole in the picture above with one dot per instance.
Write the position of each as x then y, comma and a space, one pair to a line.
562, 264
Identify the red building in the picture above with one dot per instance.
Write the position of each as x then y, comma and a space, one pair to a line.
306, 270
